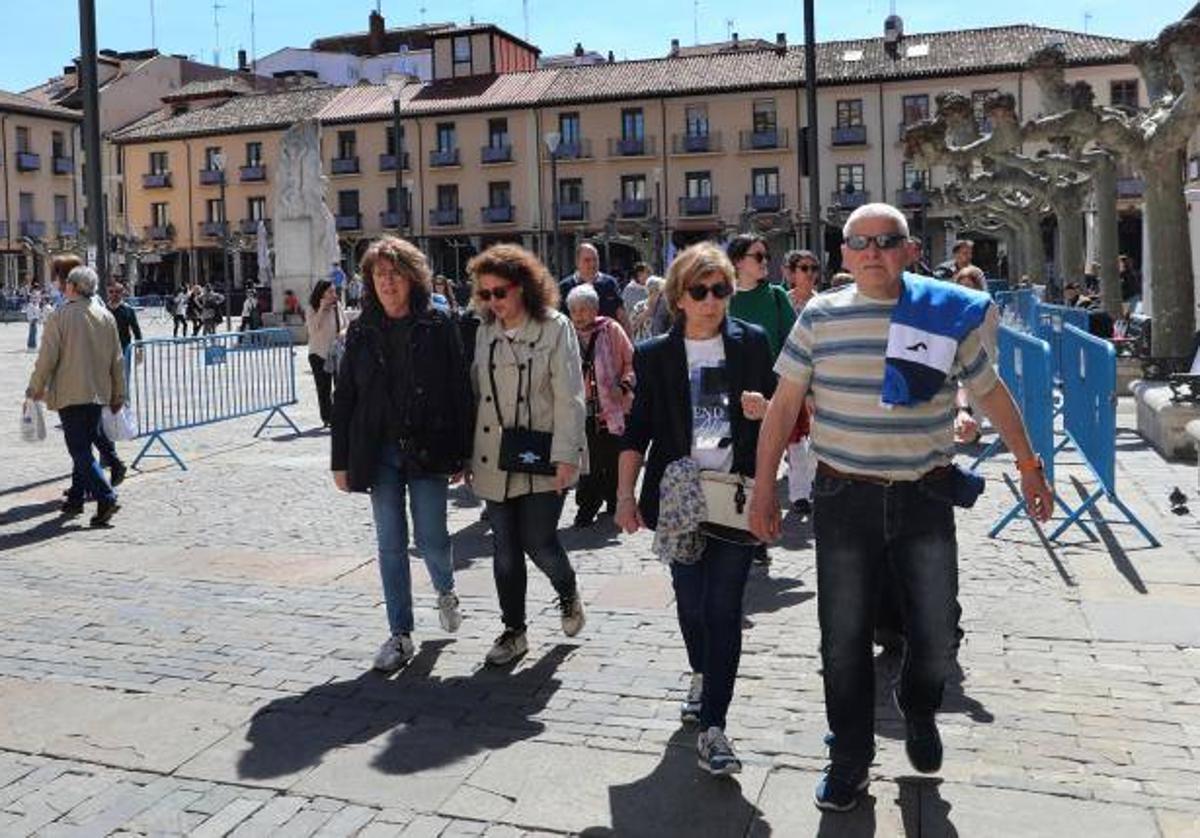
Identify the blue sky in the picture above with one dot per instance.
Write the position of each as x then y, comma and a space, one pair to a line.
44, 34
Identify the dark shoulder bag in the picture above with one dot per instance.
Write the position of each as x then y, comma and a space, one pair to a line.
522, 450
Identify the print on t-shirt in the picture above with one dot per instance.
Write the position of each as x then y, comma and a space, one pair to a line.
710, 404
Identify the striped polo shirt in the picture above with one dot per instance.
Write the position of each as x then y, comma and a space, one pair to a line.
836, 351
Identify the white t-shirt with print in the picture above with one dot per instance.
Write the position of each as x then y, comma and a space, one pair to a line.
710, 404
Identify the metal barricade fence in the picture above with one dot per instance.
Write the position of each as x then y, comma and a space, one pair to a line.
180, 383
997, 286
1048, 325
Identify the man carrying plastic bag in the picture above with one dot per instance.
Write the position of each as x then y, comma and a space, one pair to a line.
79, 370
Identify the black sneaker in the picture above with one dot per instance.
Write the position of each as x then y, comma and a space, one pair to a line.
71, 507
105, 510
802, 507
116, 474
839, 788
922, 741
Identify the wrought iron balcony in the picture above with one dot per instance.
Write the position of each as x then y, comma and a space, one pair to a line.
630, 146
344, 166
211, 177
574, 149
32, 229
696, 143
387, 162
911, 197
849, 135
64, 165
159, 232
496, 154
393, 220
763, 140
351, 221
27, 161
698, 205
632, 207
573, 211
252, 174
445, 217
443, 157
67, 229
498, 215
766, 203
213, 229
156, 180
249, 226
849, 199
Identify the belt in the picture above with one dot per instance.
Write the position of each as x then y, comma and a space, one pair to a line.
875, 480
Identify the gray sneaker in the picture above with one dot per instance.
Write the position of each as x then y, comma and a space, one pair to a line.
509, 646
715, 755
689, 708
395, 652
448, 614
571, 608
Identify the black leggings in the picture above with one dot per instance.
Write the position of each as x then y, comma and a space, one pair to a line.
324, 381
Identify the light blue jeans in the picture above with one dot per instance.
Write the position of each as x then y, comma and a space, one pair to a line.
427, 498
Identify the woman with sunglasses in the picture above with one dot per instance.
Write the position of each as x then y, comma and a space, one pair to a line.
401, 429
801, 271
529, 432
757, 300
707, 383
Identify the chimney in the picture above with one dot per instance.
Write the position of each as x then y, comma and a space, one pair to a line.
578, 50
674, 46
243, 67
611, 59
376, 32
735, 40
781, 39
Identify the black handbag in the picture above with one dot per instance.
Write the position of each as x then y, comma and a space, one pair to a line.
522, 450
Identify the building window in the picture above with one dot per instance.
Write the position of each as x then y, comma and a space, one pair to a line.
462, 51
159, 216
849, 113
851, 177
60, 209
348, 202
696, 117
211, 154
120, 198
215, 210
568, 127
347, 145
912, 177
445, 137
391, 198
254, 156
1123, 93
25, 208
499, 194
698, 184
120, 155
58, 147
158, 162
447, 196
633, 188
764, 181
22, 139
978, 105
497, 133
764, 116
633, 124
570, 190
256, 208
391, 139
915, 108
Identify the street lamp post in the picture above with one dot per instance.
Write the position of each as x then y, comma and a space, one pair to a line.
93, 185
553, 141
395, 84
218, 160
660, 243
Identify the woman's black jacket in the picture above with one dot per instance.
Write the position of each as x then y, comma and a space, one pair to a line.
439, 401
661, 419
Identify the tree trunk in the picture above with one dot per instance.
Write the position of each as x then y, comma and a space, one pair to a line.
1104, 188
1173, 295
1033, 248
1068, 244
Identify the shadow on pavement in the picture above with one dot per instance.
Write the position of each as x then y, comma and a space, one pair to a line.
924, 811
769, 594
678, 799
16, 514
45, 531
1120, 558
24, 487
602, 533
857, 823
433, 721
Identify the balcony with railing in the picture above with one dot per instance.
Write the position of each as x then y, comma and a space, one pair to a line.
344, 165
631, 146
213, 229
696, 143
632, 207
32, 229
445, 216
774, 139
27, 161
846, 135
1130, 186
574, 149
391, 220
911, 198
387, 162
63, 165
495, 154
698, 205
348, 221
766, 202
249, 226
573, 211
159, 232
441, 158
498, 214
156, 180
849, 199
211, 177
252, 174
67, 229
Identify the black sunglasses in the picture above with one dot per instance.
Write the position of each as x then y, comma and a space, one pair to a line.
720, 290
884, 241
807, 268
486, 294
761, 257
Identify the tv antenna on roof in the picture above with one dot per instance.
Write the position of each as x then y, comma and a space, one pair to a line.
695, 22
217, 32
1087, 21
525, 16
728, 28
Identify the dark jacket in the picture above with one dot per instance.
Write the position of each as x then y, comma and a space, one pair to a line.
662, 405
127, 323
440, 401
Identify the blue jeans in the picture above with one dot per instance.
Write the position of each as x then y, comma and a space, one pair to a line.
31, 340
708, 601
81, 428
527, 526
860, 528
427, 498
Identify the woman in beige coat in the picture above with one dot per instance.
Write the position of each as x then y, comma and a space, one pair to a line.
528, 390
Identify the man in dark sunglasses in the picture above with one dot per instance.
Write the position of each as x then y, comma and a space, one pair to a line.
884, 490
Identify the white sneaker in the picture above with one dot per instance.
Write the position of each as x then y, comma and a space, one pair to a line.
448, 614
396, 651
689, 708
571, 607
509, 646
715, 755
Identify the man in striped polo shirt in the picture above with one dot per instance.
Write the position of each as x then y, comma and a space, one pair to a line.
883, 493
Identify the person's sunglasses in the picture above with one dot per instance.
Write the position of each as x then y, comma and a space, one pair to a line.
761, 257
720, 290
486, 294
808, 269
884, 241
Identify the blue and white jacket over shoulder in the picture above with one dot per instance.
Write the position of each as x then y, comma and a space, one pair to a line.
930, 319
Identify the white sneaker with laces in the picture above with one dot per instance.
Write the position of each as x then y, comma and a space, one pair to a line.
395, 652
571, 608
448, 614
509, 646
689, 708
715, 755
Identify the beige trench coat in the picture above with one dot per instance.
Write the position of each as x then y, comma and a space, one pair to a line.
547, 350
80, 361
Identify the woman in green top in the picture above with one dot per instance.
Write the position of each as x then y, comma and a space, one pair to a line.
756, 300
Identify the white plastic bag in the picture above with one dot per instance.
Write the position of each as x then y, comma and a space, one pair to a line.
119, 425
33, 421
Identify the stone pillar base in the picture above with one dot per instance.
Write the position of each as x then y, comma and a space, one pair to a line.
1129, 370
1163, 423
294, 323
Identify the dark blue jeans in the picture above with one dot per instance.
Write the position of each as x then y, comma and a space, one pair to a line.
708, 600
860, 529
527, 526
81, 427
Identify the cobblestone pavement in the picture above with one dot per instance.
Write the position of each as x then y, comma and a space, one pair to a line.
202, 667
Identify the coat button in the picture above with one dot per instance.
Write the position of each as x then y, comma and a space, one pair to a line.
520, 399
483, 459
520, 366
489, 398
486, 429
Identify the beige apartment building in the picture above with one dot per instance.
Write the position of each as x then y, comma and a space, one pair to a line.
40, 186
652, 154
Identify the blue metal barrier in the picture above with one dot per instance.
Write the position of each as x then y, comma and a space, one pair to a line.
997, 286
1022, 302
1089, 368
181, 383
1048, 325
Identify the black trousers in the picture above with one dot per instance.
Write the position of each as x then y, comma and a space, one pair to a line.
599, 486
324, 381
